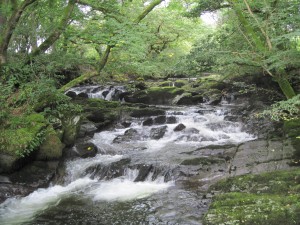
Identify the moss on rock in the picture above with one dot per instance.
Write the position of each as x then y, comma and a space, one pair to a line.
19, 139
269, 198
51, 148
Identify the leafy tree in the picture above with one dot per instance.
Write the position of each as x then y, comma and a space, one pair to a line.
112, 27
269, 30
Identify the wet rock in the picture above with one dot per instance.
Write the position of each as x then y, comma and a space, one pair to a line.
105, 93
107, 172
37, 174
179, 83
9, 190
87, 129
177, 113
148, 122
261, 156
160, 120
171, 120
129, 135
71, 94
96, 89
158, 132
96, 116
179, 127
214, 96
83, 95
138, 113
144, 171
202, 161
126, 124
205, 111
85, 150
192, 130
51, 148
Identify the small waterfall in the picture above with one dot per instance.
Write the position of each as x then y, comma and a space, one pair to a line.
135, 177
108, 93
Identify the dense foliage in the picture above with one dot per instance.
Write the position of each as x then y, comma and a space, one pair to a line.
46, 47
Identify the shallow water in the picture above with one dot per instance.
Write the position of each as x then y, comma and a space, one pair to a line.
168, 193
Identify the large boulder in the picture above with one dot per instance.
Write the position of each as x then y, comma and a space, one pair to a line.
188, 99
213, 96
148, 122
160, 120
37, 174
51, 148
129, 135
171, 120
154, 95
179, 127
85, 150
87, 129
158, 132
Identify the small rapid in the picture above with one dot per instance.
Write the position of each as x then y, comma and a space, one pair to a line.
138, 176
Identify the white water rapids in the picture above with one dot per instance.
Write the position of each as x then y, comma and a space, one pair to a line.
202, 129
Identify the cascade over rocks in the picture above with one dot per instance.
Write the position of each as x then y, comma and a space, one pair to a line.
129, 135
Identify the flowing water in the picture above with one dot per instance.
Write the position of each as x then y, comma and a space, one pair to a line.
137, 177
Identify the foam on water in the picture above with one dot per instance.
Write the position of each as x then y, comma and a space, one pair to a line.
125, 190
19, 210
201, 130
76, 167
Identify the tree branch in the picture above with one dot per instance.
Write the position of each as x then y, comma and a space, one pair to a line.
54, 36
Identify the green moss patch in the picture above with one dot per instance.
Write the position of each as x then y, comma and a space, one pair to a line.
165, 90
269, 198
22, 135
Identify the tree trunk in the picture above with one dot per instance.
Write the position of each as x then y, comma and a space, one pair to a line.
104, 58
108, 49
87, 76
78, 80
147, 10
54, 36
9, 27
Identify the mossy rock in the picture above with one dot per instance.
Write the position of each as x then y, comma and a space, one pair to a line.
214, 96
245, 208
154, 95
100, 103
180, 83
51, 148
165, 84
188, 99
19, 141
101, 112
268, 198
21, 133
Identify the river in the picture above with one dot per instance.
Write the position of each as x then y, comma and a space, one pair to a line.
154, 174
